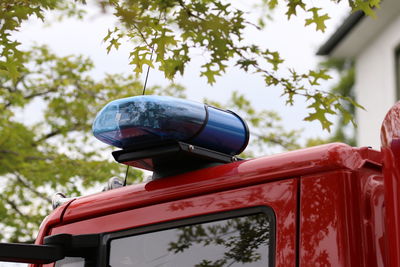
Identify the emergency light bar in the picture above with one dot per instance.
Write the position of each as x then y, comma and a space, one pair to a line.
140, 121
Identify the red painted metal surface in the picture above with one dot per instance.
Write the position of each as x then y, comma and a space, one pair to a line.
373, 210
390, 139
333, 174
326, 234
234, 175
279, 195
342, 218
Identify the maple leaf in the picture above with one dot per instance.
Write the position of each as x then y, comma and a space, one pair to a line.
366, 7
320, 115
319, 20
316, 75
138, 59
292, 6
273, 58
209, 73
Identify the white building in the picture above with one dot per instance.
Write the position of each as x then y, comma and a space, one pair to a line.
374, 44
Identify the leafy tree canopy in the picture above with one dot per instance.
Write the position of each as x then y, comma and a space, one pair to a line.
173, 28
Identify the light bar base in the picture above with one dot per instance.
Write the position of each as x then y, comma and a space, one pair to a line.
172, 158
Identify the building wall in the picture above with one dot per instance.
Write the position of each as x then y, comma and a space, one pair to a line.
376, 83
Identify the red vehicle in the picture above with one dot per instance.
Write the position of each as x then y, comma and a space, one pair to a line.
331, 205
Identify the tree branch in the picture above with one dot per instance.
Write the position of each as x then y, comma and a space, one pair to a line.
142, 36
188, 11
33, 95
47, 136
31, 188
15, 207
7, 151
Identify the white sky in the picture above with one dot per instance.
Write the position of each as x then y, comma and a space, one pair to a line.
296, 43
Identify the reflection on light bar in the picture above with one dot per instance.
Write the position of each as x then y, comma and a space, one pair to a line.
143, 120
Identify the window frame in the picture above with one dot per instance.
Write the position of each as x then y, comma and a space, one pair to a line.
267, 211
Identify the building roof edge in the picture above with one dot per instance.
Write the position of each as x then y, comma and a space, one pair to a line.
340, 33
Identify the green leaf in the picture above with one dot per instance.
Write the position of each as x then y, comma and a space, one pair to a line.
272, 4
320, 116
11, 69
210, 75
107, 36
292, 7
317, 75
273, 58
318, 20
114, 42
139, 58
366, 6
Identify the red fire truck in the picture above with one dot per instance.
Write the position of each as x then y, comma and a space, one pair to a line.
330, 205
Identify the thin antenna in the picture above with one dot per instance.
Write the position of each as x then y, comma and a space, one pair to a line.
144, 90
151, 58
148, 70
126, 175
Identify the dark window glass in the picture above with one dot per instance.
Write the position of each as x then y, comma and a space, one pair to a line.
243, 241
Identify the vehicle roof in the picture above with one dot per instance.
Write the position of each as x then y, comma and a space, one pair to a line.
228, 176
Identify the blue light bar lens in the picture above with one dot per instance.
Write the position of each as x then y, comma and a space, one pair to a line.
143, 120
